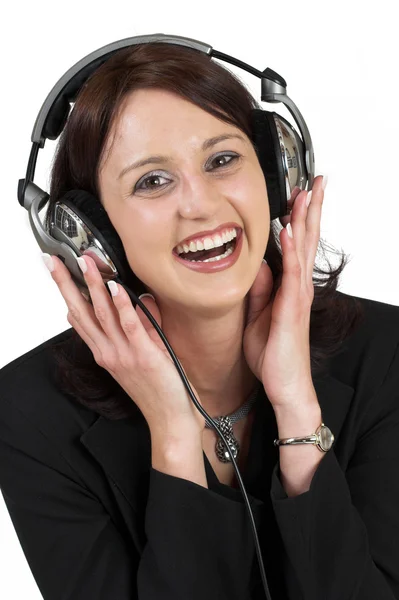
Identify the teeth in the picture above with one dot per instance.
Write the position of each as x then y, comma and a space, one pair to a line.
215, 258
209, 242
225, 237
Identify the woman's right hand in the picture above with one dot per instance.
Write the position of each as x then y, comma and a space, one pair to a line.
125, 343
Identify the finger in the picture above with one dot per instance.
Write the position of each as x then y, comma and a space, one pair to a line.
133, 328
313, 220
103, 306
301, 222
80, 313
290, 203
292, 275
298, 224
285, 220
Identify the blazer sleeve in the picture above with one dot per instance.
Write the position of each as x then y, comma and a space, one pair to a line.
199, 543
342, 535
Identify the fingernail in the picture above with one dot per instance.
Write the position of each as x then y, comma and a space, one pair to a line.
143, 295
82, 263
113, 288
325, 179
289, 229
308, 198
264, 260
48, 261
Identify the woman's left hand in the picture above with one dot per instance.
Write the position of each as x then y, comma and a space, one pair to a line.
276, 337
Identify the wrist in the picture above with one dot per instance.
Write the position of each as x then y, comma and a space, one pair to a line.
298, 422
179, 453
173, 437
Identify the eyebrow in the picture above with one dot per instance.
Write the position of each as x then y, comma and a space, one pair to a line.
156, 159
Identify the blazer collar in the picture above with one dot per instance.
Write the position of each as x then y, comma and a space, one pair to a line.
123, 448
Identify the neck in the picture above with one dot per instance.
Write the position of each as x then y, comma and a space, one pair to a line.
211, 353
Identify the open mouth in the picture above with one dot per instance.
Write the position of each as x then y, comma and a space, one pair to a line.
213, 253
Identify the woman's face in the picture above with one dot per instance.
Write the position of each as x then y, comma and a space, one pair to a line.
155, 206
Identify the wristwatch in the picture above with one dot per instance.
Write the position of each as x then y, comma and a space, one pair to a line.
323, 438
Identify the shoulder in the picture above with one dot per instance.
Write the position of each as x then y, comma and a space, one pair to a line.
28, 393
368, 362
380, 317
372, 344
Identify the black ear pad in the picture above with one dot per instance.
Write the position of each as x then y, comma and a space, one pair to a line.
265, 138
90, 210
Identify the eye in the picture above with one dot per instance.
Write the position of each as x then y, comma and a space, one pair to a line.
155, 175
223, 156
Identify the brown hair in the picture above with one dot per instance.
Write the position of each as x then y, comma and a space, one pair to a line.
197, 78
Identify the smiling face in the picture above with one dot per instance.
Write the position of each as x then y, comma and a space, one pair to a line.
155, 206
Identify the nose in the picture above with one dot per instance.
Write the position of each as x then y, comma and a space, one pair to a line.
199, 198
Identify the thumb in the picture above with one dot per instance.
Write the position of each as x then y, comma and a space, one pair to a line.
259, 293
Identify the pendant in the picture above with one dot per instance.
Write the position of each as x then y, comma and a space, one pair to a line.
226, 427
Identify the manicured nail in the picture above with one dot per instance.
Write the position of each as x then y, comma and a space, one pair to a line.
143, 296
308, 198
325, 179
82, 263
289, 229
113, 287
48, 261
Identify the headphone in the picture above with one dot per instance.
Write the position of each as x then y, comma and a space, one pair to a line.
80, 224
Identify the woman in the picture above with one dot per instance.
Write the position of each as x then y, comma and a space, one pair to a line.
110, 476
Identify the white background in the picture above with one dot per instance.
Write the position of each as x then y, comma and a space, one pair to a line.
340, 62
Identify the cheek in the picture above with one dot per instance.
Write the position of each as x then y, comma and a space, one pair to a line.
143, 250
258, 218
133, 222
252, 202
250, 188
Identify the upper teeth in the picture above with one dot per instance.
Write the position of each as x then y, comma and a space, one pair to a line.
209, 242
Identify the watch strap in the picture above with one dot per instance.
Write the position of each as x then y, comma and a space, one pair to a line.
314, 439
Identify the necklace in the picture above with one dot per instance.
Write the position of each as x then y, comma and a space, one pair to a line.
225, 424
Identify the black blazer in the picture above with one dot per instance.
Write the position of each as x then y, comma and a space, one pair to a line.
97, 522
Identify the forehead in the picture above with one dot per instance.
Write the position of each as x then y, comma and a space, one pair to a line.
157, 107
155, 120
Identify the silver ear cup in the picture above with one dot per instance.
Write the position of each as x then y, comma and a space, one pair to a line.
67, 226
292, 155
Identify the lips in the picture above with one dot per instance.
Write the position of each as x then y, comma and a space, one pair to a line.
203, 234
214, 266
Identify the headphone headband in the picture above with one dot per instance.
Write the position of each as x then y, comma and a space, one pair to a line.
56, 107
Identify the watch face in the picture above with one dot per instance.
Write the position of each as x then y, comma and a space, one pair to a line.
326, 438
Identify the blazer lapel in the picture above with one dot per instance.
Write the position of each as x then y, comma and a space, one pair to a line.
123, 449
